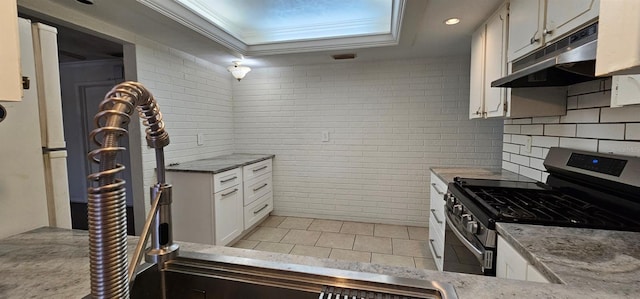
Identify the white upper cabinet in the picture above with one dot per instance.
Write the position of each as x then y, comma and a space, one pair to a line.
618, 50
533, 24
563, 16
10, 77
488, 63
526, 19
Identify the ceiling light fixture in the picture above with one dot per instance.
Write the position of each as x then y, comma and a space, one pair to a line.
238, 71
452, 21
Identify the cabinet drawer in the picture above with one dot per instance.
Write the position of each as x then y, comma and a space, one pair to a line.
437, 220
436, 246
256, 188
258, 210
256, 169
227, 179
439, 185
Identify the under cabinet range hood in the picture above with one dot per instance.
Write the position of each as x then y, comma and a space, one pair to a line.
568, 61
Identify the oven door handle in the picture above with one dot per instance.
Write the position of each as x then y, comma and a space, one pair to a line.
479, 254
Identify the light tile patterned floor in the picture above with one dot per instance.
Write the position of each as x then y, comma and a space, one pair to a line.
394, 245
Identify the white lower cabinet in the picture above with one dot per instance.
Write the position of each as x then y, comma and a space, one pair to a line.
218, 208
510, 264
437, 220
228, 210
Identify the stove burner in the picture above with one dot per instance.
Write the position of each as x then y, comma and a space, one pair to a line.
506, 201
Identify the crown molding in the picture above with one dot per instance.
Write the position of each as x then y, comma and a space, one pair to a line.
195, 21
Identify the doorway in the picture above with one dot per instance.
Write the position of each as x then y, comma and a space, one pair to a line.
89, 67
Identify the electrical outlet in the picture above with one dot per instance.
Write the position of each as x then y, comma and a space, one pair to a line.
325, 136
527, 146
200, 139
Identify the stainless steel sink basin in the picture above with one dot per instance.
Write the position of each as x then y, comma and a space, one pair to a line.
201, 276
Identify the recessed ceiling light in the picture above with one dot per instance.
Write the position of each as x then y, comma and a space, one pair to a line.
452, 21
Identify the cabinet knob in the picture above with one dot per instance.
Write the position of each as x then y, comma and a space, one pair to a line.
534, 40
547, 31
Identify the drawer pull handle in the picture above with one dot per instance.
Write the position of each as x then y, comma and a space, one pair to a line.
229, 193
260, 210
261, 168
228, 180
433, 211
433, 249
437, 190
256, 189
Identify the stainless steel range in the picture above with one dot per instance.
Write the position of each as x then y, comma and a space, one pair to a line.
584, 189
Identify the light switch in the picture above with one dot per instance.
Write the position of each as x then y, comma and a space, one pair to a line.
527, 146
200, 139
325, 136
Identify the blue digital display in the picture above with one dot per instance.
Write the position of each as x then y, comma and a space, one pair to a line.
595, 161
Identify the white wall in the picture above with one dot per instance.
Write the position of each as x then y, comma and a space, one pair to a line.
590, 124
388, 122
194, 97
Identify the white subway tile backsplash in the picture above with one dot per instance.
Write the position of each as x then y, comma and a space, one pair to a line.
520, 160
519, 139
572, 102
580, 144
511, 148
522, 121
510, 166
601, 131
585, 87
531, 129
592, 100
512, 129
537, 164
620, 114
581, 116
530, 173
560, 130
632, 132
546, 120
626, 148
544, 141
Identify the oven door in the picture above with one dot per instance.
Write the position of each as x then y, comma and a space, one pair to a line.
463, 255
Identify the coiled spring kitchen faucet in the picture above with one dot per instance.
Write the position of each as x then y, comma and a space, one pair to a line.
111, 276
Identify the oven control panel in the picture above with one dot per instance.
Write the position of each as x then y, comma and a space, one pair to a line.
606, 165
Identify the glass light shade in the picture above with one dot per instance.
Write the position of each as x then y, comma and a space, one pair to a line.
238, 71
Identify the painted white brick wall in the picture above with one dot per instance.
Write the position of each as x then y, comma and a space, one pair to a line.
194, 97
388, 123
590, 124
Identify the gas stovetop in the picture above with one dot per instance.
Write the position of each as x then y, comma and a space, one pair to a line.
537, 203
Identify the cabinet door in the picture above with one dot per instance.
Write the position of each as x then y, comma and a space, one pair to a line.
526, 19
564, 16
625, 90
476, 84
618, 51
509, 263
229, 215
495, 63
10, 78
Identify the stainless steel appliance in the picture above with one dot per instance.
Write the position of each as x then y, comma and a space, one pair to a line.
584, 189
568, 61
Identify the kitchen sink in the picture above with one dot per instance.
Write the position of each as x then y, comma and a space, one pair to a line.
200, 276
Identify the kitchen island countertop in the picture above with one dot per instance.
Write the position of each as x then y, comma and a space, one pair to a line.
54, 263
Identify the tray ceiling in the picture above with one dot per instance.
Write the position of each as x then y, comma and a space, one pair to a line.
254, 27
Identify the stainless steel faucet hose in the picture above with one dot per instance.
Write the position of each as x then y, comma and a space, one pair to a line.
107, 202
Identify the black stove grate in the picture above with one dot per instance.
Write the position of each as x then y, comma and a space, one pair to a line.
550, 207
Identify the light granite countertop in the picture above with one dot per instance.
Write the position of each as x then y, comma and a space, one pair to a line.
54, 263
219, 164
585, 258
448, 173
